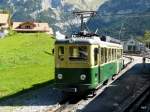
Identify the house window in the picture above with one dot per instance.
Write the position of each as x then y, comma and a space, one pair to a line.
132, 42
134, 48
129, 48
28, 27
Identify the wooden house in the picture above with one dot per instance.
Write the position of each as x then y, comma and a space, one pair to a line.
31, 27
4, 21
133, 46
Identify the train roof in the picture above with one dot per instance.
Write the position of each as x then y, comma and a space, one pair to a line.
87, 41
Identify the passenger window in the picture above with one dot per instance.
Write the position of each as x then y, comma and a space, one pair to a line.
106, 55
118, 53
102, 56
113, 54
109, 54
121, 52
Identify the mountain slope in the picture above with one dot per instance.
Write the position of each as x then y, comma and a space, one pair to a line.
58, 13
52, 11
124, 17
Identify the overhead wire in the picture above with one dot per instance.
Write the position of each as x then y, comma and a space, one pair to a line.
101, 14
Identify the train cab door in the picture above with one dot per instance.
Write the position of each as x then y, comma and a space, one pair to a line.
96, 64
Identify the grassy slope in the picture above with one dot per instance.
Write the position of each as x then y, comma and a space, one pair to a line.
25, 61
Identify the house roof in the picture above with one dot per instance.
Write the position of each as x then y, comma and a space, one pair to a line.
4, 18
41, 27
27, 23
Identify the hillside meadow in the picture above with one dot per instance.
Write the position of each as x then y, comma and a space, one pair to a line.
25, 60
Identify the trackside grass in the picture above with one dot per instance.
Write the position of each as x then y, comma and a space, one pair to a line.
25, 60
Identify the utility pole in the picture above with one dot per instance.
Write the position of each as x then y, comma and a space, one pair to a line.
121, 31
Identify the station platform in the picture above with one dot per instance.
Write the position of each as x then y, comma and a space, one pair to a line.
121, 90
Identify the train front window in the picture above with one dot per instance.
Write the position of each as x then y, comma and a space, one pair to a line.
61, 53
61, 50
78, 53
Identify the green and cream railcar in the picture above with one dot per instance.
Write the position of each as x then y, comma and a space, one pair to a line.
82, 64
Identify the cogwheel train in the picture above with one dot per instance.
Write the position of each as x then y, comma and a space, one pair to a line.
83, 62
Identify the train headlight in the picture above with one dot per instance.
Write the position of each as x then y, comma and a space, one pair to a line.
59, 76
83, 77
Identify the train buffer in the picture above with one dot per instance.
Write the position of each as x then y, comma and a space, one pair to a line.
121, 91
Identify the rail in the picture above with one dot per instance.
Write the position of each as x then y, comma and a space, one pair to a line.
130, 58
65, 103
132, 104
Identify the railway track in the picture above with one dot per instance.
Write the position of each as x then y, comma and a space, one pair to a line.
145, 106
130, 58
137, 100
65, 104
72, 103
134, 103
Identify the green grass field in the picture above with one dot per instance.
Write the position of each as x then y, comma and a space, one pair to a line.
25, 60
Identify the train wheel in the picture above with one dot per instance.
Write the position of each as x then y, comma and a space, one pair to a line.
105, 82
113, 77
93, 93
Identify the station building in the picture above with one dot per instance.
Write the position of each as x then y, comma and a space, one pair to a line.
133, 46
